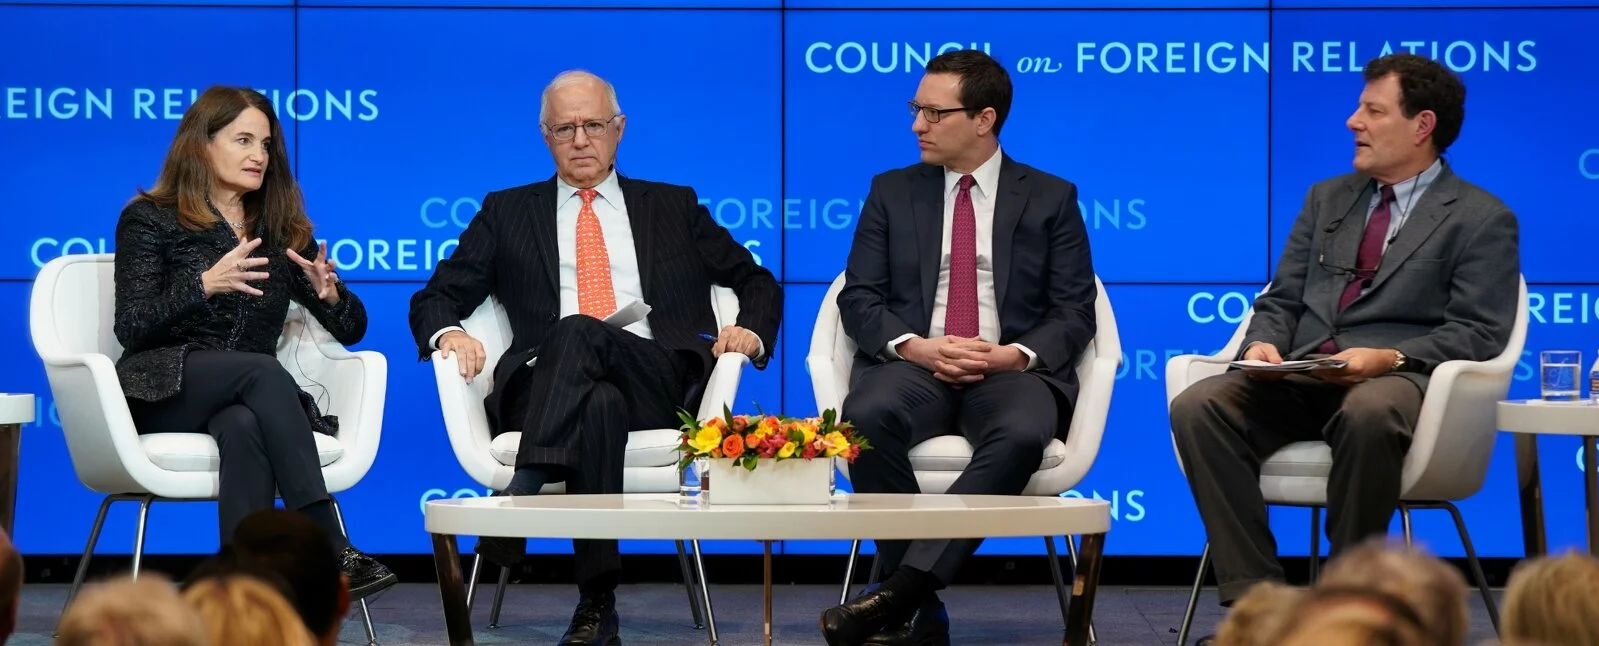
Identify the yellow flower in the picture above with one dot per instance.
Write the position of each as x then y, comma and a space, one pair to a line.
807, 429
787, 450
836, 443
706, 439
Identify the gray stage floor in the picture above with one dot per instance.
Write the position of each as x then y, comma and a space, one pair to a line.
658, 614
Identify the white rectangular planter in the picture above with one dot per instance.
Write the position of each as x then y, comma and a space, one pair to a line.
784, 482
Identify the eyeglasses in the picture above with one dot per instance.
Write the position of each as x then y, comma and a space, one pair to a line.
932, 115
593, 128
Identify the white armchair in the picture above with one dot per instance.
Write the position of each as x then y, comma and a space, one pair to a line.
1438, 471
70, 318
937, 462
650, 465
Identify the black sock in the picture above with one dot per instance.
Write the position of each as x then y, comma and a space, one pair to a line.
526, 481
321, 512
601, 584
912, 586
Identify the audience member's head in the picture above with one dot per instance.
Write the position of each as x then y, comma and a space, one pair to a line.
1352, 617
1255, 618
288, 549
242, 610
10, 585
125, 612
1553, 601
1431, 589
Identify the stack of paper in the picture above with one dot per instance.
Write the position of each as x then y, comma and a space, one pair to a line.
1290, 366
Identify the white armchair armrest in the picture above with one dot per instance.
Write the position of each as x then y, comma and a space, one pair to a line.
722, 388
103, 443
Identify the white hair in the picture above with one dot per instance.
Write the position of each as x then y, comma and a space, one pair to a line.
574, 77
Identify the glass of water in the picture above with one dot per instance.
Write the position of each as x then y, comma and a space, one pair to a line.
693, 479
1560, 372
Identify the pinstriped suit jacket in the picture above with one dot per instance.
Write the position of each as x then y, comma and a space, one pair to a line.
509, 250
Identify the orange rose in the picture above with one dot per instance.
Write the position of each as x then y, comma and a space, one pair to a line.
732, 446
740, 423
716, 423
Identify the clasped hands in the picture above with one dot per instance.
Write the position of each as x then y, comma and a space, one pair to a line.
959, 361
234, 271
1360, 364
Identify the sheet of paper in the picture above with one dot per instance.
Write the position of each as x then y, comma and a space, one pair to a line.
632, 312
1289, 366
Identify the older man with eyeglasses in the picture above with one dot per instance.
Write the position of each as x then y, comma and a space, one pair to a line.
561, 255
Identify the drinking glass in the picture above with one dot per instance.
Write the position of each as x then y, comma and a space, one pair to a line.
1559, 372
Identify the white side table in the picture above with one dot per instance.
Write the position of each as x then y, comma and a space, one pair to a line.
1528, 418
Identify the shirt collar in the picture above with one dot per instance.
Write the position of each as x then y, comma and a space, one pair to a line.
609, 190
1406, 192
987, 176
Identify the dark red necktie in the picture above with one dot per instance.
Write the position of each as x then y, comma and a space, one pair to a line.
960, 313
1367, 259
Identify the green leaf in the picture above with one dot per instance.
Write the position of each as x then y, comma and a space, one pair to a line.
749, 463
796, 437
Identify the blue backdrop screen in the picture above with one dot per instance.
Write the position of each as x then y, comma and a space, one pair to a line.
1192, 129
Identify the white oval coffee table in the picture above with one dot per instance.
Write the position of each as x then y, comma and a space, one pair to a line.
1529, 418
855, 516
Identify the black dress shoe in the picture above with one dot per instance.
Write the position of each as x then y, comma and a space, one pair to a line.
594, 623
367, 576
852, 623
928, 627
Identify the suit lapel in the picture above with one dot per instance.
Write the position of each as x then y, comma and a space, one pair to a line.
927, 206
639, 220
1344, 245
1430, 211
1010, 199
544, 201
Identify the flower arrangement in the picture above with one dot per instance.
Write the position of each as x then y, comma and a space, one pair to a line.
749, 439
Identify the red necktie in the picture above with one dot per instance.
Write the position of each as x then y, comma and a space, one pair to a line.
960, 314
595, 295
1367, 259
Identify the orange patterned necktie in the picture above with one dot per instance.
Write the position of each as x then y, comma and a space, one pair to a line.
595, 295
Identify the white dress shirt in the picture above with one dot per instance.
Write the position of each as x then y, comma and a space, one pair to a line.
626, 283
983, 192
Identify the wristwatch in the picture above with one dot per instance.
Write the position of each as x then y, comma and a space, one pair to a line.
1399, 360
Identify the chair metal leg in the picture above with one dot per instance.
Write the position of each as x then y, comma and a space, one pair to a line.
1193, 597
1071, 553
88, 551
688, 584
1055, 575
499, 597
366, 613
1315, 542
1404, 520
1471, 561
705, 593
471, 582
138, 534
849, 570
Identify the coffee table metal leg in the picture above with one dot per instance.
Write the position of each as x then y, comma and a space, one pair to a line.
452, 590
1532, 529
1085, 582
1590, 477
766, 588
10, 452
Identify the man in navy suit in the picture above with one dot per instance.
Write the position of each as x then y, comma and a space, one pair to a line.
970, 293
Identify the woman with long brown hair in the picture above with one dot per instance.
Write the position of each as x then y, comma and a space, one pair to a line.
207, 262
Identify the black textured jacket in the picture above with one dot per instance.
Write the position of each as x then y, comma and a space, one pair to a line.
162, 312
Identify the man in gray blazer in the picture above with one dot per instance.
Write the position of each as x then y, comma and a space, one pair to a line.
1394, 269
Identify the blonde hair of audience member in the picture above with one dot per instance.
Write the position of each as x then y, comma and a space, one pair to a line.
1348, 620
1553, 601
1431, 588
128, 612
1256, 617
242, 610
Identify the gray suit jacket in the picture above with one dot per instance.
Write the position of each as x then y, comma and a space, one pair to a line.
1446, 288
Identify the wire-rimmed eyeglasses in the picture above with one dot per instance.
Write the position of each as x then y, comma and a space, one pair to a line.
932, 115
594, 128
